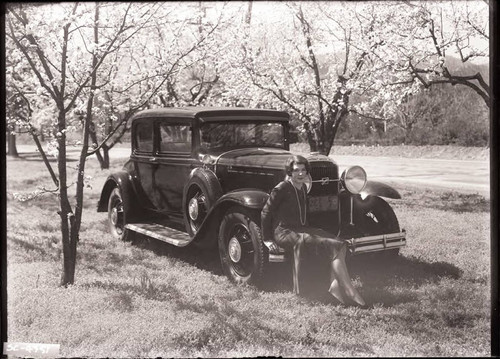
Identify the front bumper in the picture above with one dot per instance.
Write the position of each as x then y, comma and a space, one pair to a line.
377, 243
381, 242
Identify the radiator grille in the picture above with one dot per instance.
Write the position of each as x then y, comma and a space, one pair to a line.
319, 172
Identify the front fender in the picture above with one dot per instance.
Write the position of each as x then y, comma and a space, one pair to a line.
253, 199
250, 198
375, 188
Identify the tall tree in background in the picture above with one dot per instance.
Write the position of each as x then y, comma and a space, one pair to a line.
298, 67
169, 65
65, 45
197, 80
420, 41
325, 61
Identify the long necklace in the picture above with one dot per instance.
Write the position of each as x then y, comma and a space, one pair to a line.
303, 222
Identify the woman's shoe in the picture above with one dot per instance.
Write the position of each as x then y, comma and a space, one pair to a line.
337, 292
354, 296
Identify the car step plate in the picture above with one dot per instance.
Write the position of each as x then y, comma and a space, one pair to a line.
160, 232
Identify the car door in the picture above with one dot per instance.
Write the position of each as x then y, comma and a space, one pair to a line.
144, 161
175, 162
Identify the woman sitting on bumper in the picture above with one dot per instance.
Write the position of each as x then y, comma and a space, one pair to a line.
287, 206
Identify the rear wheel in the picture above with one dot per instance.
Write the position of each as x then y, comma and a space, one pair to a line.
117, 215
240, 247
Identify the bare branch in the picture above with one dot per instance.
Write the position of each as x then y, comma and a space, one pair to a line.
381, 119
108, 50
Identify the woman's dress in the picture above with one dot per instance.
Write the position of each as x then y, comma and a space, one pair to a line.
284, 220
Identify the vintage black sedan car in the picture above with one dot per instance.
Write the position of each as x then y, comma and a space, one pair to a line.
201, 176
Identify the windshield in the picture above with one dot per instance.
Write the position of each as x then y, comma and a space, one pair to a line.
242, 134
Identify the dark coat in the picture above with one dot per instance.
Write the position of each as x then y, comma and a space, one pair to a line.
284, 220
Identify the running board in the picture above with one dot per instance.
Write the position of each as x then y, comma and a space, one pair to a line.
160, 232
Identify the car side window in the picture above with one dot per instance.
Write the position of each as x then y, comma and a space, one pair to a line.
144, 136
175, 138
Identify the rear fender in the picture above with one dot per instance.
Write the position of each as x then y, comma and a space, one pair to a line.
253, 199
375, 188
123, 181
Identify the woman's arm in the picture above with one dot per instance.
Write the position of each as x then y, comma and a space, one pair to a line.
273, 202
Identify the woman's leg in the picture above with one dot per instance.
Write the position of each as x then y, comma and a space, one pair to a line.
296, 263
337, 291
339, 268
339, 275
290, 239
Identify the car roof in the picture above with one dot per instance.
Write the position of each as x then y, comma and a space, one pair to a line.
212, 113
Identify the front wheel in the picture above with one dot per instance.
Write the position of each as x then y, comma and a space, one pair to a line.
241, 247
117, 215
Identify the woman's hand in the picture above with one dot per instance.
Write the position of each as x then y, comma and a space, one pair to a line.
273, 247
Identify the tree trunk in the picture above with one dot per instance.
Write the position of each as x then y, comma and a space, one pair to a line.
105, 162
324, 148
44, 157
42, 134
311, 140
100, 159
248, 15
69, 248
12, 149
104, 157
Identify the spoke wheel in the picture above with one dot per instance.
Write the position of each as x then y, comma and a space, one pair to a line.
197, 209
240, 247
116, 215
200, 194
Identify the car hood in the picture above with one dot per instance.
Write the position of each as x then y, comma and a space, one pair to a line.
271, 158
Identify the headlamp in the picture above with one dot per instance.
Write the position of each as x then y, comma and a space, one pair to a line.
354, 179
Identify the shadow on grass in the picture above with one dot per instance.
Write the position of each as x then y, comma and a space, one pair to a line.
35, 251
206, 259
401, 275
45, 201
277, 276
400, 269
379, 277
227, 317
99, 258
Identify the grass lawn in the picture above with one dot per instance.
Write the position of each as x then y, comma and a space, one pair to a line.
147, 299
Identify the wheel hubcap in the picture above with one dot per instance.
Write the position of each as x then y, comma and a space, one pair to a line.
234, 248
193, 209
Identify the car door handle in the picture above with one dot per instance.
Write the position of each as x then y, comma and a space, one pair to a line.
152, 159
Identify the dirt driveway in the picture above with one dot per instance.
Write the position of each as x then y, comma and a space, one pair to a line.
463, 175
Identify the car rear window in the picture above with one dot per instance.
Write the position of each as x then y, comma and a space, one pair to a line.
144, 137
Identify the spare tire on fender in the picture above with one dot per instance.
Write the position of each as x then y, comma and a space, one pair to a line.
200, 194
